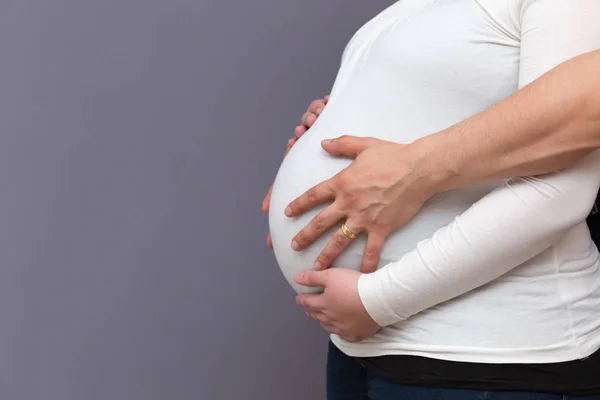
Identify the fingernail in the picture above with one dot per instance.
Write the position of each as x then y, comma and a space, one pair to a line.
295, 245
288, 211
318, 266
327, 141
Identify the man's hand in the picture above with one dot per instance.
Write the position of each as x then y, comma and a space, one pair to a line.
308, 119
379, 192
339, 308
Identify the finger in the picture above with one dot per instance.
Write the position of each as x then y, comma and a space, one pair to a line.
338, 242
269, 241
313, 315
299, 131
326, 99
267, 200
350, 146
315, 105
308, 119
312, 197
311, 279
372, 252
316, 227
319, 317
290, 143
311, 106
313, 304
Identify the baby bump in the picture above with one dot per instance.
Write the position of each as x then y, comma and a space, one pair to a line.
308, 165
305, 166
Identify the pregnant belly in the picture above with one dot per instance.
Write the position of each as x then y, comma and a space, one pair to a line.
305, 166
308, 165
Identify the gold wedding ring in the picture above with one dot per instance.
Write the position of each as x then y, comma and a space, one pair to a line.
346, 231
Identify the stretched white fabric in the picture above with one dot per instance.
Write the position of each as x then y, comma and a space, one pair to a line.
503, 272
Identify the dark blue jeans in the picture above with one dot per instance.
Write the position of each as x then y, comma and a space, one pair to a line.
347, 379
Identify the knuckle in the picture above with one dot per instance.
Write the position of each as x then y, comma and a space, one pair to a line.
319, 223
369, 219
342, 180
352, 199
349, 200
381, 224
341, 140
310, 280
311, 194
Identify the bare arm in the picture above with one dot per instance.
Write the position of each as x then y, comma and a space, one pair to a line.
546, 126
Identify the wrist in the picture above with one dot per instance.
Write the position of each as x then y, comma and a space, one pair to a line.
432, 163
371, 294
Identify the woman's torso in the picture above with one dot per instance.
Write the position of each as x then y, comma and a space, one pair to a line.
419, 67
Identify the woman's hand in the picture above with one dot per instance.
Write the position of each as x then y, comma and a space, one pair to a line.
379, 192
308, 119
339, 308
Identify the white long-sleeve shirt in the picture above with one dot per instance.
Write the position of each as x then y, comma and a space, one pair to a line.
503, 272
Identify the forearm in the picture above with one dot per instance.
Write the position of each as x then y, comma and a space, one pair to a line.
546, 126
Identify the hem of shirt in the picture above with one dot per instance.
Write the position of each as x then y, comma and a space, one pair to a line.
562, 352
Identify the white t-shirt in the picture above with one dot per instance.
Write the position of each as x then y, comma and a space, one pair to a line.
504, 272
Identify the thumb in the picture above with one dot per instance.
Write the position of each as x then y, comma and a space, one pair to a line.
311, 278
350, 146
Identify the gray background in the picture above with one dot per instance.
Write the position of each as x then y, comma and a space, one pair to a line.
137, 139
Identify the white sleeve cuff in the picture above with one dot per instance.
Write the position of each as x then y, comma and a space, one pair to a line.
372, 294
